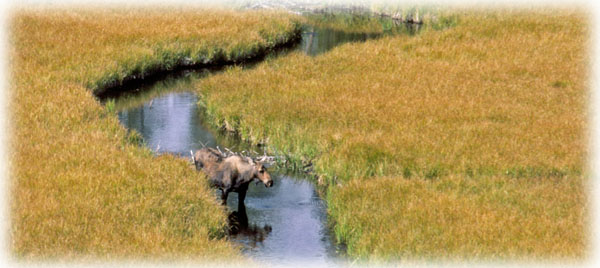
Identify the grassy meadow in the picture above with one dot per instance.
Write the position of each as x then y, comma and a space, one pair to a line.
81, 187
467, 143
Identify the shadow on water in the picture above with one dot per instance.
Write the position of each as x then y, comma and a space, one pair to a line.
282, 224
318, 40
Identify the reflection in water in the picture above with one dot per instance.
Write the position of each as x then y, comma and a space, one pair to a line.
320, 40
239, 227
406, 28
169, 123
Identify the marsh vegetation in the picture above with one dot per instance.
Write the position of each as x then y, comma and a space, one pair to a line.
464, 141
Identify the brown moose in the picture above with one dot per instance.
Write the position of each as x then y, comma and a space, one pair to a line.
230, 173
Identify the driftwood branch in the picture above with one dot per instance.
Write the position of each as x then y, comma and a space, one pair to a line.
250, 156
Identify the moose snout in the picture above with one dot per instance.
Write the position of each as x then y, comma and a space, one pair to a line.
264, 176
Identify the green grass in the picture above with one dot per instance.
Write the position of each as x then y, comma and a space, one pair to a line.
395, 126
81, 186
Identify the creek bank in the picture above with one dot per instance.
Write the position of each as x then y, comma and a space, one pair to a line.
170, 62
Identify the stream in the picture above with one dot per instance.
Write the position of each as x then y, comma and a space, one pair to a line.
283, 224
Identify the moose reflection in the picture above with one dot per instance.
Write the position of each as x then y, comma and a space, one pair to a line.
238, 226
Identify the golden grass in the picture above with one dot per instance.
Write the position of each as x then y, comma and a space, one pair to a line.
458, 218
79, 188
497, 103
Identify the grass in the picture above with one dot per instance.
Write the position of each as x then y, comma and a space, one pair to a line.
81, 187
371, 23
460, 218
467, 143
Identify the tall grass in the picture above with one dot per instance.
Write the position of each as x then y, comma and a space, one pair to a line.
463, 143
460, 218
81, 187
375, 23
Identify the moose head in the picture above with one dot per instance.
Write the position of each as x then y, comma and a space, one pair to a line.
264, 176
260, 172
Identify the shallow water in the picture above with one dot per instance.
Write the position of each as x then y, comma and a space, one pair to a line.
169, 123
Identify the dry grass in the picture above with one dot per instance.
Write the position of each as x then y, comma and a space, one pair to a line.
79, 187
497, 102
458, 218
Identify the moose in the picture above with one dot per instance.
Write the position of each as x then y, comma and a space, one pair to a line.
230, 173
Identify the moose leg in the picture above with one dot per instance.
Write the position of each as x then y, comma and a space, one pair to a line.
242, 195
224, 196
241, 198
242, 216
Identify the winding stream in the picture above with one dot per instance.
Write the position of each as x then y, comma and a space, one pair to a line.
281, 225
